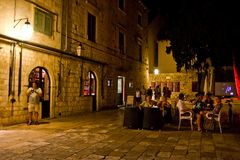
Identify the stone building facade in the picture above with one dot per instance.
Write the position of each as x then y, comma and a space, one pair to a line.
86, 55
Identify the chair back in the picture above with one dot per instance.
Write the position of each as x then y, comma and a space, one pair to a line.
185, 115
217, 117
130, 101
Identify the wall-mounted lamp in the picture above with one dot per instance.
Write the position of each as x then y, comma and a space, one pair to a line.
79, 49
26, 30
156, 71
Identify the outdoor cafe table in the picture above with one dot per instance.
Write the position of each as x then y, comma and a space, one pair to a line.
152, 118
147, 118
132, 118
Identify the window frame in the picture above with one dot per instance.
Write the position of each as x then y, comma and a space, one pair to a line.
91, 27
43, 22
121, 42
121, 5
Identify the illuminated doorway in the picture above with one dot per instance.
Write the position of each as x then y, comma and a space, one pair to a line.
120, 90
90, 89
40, 75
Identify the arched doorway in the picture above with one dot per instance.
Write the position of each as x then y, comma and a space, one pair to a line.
40, 75
90, 89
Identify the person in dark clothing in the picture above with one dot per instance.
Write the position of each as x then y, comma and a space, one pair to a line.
209, 102
157, 92
198, 110
165, 88
149, 92
169, 92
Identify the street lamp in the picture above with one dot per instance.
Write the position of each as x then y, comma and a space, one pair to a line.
26, 30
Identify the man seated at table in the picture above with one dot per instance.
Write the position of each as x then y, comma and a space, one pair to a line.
209, 102
181, 104
198, 109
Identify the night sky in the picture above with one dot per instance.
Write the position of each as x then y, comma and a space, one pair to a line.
212, 24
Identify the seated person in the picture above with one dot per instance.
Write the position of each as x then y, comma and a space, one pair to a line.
217, 106
181, 104
198, 109
146, 103
209, 102
166, 106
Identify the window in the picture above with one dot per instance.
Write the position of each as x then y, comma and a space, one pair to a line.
140, 52
176, 86
43, 22
121, 4
91, 28
121, 42
139, 19
170, 86
109, 83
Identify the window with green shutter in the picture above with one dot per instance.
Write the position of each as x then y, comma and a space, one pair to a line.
43, 22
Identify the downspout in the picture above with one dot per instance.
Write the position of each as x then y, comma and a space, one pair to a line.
66, 25
65, 45
20, 73
11, 83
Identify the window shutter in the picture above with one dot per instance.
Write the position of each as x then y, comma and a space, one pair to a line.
43, 22
48, 25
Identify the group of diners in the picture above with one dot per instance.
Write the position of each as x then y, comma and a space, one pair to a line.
199, 106
163, 104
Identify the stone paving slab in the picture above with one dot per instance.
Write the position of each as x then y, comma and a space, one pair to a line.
101, 135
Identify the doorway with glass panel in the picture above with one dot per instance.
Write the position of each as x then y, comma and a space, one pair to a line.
120, 91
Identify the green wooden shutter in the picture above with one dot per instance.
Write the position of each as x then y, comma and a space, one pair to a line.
48, 25
43, 22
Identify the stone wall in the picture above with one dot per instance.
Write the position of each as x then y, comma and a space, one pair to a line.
185, 80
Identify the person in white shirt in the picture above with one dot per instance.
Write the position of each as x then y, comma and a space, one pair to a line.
138, 96
34, 93
181, 104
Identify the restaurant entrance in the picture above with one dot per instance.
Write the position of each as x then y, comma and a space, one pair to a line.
40, 75
90, 84
120, 90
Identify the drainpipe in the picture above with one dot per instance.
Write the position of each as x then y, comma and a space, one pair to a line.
11, 89
20, 73
81, 80
66, 25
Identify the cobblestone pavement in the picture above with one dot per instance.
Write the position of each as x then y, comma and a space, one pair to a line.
100, 135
